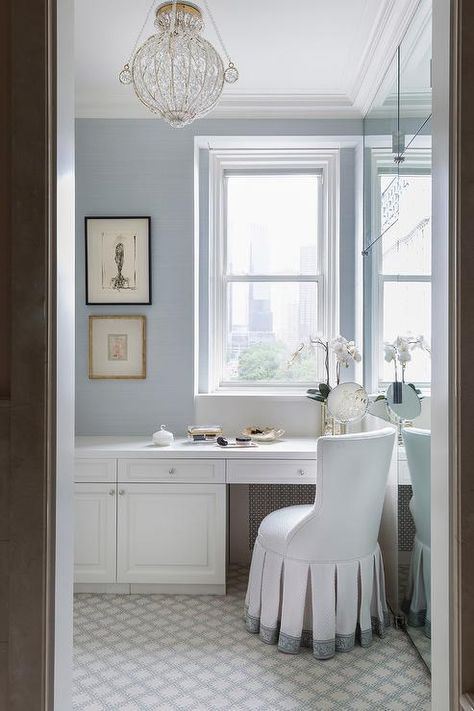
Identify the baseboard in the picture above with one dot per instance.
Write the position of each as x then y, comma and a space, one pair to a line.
102, 588
148, 589
176, 589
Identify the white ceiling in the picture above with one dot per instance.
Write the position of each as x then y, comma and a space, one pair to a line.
296, 59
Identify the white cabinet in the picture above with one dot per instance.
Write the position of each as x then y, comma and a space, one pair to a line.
149, 520
95, 533
171, 533
145, 533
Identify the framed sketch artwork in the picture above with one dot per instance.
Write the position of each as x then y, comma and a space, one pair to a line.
118, 260
117, 347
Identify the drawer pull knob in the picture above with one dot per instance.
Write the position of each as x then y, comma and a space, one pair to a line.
301, 472
112, 492
171, 470
122, 492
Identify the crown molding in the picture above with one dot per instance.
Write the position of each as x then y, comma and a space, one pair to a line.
284, 105
392, 22
235, 105
416, 104
394, 19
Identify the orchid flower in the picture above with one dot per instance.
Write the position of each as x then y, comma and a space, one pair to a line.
400, 351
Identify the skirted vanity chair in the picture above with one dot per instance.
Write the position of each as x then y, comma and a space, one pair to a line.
316, 577
417, 603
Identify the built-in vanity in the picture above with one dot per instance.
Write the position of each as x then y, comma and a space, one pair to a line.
152, 519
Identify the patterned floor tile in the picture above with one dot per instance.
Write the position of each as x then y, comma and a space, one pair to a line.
192, 653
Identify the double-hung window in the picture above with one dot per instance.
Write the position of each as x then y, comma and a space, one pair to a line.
271, 250
402, 264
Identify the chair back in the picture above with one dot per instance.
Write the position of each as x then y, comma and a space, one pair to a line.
352, 474
418, 449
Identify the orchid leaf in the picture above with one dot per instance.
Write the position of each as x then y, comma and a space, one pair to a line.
324, 389
317, 398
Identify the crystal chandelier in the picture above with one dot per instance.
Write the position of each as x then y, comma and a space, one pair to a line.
176, 73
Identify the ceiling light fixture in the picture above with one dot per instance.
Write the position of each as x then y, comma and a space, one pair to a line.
176, 73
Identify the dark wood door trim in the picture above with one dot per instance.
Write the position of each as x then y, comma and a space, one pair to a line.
463, 148
32, 431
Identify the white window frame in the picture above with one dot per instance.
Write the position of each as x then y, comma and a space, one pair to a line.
223, 162
382, 160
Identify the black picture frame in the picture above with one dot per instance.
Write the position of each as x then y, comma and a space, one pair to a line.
147, 279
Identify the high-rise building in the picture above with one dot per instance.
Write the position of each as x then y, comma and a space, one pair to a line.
260, 312
307, 306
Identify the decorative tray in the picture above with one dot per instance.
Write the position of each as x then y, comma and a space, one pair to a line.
263, 434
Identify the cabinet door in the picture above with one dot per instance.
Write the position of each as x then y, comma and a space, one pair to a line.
171, 533
95, 533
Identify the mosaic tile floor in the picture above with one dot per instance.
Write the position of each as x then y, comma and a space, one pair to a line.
417, 634
422, 643
192, 653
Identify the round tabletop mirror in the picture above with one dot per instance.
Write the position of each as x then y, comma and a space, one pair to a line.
348, 402
403, 400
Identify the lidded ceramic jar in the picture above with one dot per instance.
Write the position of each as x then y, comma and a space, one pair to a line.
163, 438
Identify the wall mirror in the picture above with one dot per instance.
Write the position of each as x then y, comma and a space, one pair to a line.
397, 302
408, 405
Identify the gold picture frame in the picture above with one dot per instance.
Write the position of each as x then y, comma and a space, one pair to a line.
117, 347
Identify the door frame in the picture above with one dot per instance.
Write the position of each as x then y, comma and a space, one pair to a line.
40, 540
38, 399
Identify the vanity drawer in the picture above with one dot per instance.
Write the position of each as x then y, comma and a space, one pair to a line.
173, 470
95, 470
271, 471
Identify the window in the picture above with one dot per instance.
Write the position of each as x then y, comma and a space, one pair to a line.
403, 266
270, 258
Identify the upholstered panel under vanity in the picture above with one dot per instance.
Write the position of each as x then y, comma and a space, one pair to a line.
265, 498
406, 524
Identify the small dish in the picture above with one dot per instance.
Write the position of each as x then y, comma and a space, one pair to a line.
263, 434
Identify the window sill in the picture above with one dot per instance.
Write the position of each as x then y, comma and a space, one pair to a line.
275, 396
425, 391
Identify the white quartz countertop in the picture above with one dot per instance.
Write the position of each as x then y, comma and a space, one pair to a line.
143, 447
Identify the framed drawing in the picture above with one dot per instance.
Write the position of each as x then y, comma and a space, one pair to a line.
117, 347
118, 260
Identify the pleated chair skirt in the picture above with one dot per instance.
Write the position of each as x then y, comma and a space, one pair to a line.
417, 602
326, 606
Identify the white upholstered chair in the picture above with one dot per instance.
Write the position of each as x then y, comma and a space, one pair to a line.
417, 603
316, 577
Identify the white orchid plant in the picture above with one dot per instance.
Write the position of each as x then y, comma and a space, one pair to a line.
346, 352
400, 352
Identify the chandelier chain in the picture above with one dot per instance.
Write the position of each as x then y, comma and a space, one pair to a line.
216, 29
132, 53
173, 16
